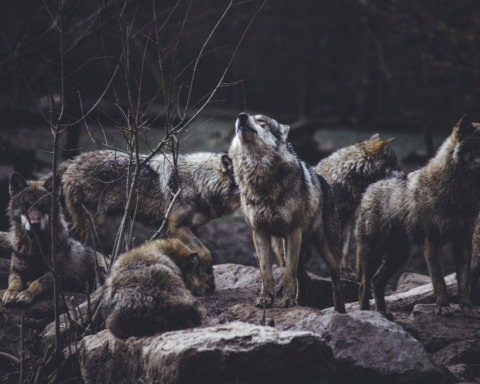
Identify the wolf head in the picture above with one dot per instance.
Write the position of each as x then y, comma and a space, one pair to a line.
30, 198
381, 156
260, 132
466, 139
188, 262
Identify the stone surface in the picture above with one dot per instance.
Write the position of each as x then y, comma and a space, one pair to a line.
369, 348
409, 280
462, 352
320, 293
437, 332
225, 353
463, 373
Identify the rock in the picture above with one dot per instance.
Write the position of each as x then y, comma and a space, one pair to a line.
408, 281
369, 348
462, 352
320, 293
437, 332
462, 372
225, 353
283, 318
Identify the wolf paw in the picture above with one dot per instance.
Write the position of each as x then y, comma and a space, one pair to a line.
387, 315
268, 302
9, 297
467, 311
444, 311
25, 298
288, 302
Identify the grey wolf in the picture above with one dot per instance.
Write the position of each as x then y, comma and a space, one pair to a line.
29, 273
283, 197
432, 206
97, 180
349, 171
147, 290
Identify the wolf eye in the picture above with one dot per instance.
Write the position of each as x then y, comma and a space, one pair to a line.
261, 121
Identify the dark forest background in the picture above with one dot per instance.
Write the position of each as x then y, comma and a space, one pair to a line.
406, 64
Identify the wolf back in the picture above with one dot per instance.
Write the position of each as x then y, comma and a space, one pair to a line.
98, 181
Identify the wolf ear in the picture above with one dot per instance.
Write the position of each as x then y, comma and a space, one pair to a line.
380, 148
48, 184
226, 163
192, 260
284, 129
17, 184
464, 128
375, 137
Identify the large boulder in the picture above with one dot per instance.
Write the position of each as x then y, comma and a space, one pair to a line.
225, 353
368, 348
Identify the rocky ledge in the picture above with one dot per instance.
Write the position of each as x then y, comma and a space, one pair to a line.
301, 344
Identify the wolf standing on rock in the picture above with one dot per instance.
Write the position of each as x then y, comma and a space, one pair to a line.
282, 196
432, 206
29, 275
147, 290
97, 180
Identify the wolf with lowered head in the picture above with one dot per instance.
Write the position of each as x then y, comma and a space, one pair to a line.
432, 206
284, 197
148, 290
208, 191
29, 273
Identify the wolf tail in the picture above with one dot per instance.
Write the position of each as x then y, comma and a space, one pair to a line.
331, 219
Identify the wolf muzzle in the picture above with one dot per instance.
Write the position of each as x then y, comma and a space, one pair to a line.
38, 221
245, 129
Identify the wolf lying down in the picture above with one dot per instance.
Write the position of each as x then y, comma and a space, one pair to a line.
148, 290
30, 207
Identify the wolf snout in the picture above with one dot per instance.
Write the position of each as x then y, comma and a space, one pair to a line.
243, 117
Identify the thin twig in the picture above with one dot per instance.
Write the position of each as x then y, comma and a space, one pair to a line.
165, 219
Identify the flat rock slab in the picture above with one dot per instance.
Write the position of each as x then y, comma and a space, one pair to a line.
462, 352
409, 280
368, 348
225, 353
319, 294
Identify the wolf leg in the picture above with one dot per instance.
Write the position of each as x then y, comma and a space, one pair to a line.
346, 269
293, 243
278, 248
462, 254
44, 283
264, 251
14, 288
186, 235
396, 257
432, 254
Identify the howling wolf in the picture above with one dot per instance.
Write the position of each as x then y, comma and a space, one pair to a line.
284, 197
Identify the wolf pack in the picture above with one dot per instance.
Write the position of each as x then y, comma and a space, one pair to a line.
295, 211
